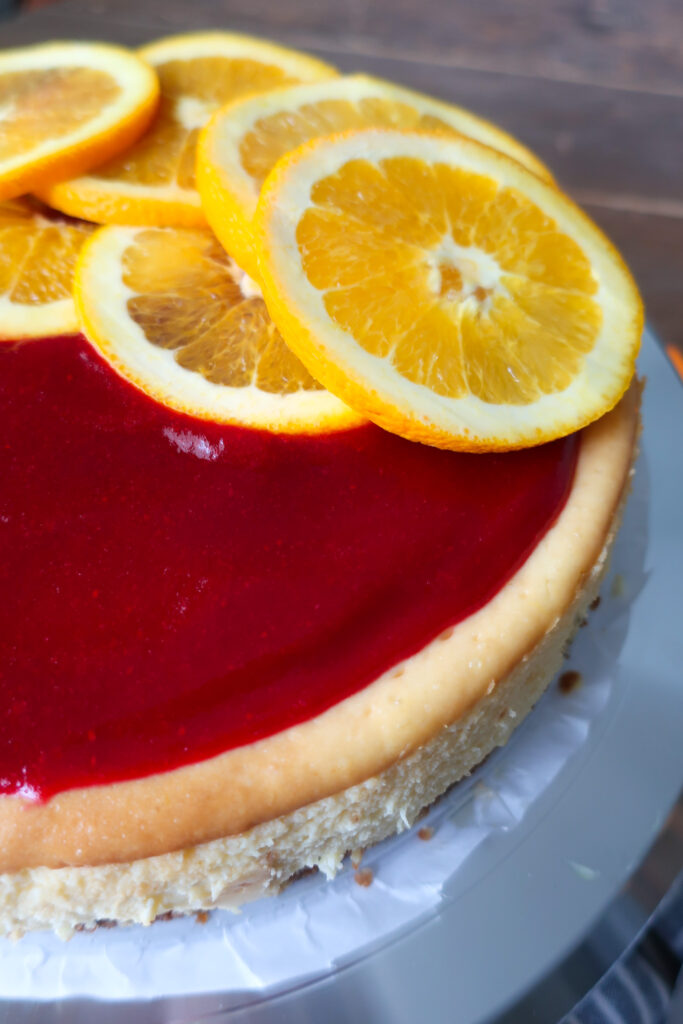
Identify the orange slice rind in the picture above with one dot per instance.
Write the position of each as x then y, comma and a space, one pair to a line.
38, 255
153, 182
243, 141
173, 314
65, 107
444, 291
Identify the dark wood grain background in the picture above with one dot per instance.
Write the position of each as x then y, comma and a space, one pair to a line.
595, 87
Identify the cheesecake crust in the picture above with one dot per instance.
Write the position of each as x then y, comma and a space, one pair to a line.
381, 730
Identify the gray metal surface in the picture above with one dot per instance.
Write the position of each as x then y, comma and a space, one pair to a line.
506, 943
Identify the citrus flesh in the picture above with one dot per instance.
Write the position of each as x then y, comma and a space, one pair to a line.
444, 291
242, 142
171, 312
38, 254
65, 107
154, 181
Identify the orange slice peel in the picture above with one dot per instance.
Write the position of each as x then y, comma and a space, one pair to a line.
444, 291
175, 316
38, 253
153, 183
242, 142
66, 107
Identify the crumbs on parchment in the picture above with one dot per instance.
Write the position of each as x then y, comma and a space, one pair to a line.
363, 877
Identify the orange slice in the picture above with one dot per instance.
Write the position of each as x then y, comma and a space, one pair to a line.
153, 182
242, 142
38, 254
65, 107
445, 291
174, 315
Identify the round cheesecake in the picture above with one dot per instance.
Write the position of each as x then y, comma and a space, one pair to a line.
351, 625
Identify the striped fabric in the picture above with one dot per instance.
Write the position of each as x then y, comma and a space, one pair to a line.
639, 988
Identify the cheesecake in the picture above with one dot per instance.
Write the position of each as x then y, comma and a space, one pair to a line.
228, 656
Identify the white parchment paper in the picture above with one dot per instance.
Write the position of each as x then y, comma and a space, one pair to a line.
314, 925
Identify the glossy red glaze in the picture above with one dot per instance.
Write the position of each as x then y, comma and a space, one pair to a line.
172, 588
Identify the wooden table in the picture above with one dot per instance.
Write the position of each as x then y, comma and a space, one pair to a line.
595, 87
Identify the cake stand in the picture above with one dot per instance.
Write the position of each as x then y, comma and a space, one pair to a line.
592, 857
